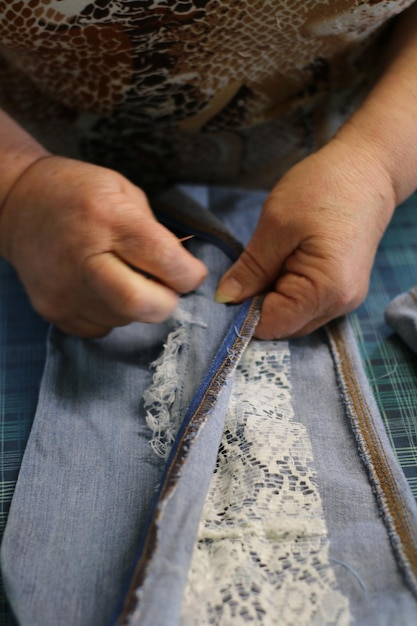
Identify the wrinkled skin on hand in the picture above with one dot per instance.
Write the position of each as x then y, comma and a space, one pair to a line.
77, 234
315, 243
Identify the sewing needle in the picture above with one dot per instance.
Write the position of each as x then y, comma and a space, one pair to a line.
186, 238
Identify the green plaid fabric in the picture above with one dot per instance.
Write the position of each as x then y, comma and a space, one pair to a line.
391, 367
22, 355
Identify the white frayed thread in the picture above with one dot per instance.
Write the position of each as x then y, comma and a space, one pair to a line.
160, 395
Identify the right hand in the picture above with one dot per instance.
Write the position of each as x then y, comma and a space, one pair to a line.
76, 233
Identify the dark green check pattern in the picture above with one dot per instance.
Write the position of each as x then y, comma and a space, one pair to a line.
22, 354
390, 366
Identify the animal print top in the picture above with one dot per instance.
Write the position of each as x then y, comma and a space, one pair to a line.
225, 91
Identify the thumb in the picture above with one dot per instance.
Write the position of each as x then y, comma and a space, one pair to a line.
257, 267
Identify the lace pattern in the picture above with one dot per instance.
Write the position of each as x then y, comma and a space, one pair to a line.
262, 551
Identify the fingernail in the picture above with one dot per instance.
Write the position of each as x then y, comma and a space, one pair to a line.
229, 291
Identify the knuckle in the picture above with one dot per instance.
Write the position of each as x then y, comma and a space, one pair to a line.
124, 186
91, 266
177, 269
140, 194
166, 254
343, 298
140, 306
347, 294
131, 304
51, 308
91, 209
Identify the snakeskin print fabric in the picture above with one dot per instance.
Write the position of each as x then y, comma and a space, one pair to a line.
201, 90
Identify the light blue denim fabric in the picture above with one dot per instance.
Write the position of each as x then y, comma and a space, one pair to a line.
369, 510
362, 535
401, 314
100, 528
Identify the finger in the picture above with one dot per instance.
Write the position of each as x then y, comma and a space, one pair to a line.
313, 325
269, 326
83, 308
97, 311
127, 294
152, 248
259, 264
82, 328
96, 319
300, 305
282, 316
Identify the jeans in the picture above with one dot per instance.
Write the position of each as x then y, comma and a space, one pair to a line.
108, 506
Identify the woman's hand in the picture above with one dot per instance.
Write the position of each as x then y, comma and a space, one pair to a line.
81, 238
315, 243
320, 227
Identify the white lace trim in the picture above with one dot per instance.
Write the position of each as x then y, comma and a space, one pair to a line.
262, 550
160, 395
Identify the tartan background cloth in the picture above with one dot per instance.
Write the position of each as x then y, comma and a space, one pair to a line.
22, 356
391, 367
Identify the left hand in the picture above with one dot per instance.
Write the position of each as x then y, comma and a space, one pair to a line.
315, 242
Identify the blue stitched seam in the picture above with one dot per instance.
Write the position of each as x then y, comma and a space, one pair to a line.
223, 360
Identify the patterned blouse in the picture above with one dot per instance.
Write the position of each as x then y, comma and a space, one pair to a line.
221, 91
